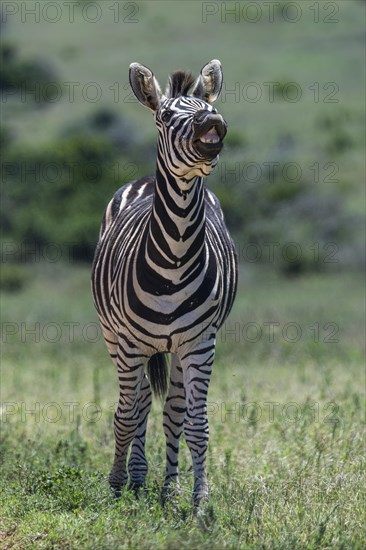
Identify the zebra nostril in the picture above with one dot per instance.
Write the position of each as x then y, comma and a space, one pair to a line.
199, 116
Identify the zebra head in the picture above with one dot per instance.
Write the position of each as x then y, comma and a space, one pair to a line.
191, 132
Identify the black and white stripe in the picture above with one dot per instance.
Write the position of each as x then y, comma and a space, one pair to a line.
164, 276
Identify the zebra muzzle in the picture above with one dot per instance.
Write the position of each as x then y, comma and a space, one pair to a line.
209, 135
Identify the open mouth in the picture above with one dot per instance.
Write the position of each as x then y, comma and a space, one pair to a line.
210, 143
210, 137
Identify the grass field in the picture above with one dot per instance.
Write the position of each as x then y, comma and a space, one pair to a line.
287, 397
286, 409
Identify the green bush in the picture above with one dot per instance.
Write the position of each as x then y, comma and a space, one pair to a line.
30, 76
13, 277
277, 211
58, 195
106, 124
335, 128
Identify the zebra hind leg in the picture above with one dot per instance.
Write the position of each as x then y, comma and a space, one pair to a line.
173, 417
197, 368
137, 464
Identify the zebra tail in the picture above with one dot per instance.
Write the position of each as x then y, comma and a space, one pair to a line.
158, 370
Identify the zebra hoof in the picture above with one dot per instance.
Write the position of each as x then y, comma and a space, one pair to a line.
169, 493
116, 486
116, 491
136, 487
200, 498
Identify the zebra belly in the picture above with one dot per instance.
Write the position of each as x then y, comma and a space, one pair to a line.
164, 325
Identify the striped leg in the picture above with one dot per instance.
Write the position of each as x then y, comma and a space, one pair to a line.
137, 464
111, 341
130, 366
174, 411
197, 367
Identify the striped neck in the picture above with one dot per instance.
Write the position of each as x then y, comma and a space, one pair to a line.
176, 233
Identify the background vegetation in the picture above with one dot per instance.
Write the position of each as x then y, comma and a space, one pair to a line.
293, 167
285, 464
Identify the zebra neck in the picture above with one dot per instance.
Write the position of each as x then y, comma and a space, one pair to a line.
176, 234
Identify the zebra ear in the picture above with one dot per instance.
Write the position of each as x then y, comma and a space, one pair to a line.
145, 86
208, 84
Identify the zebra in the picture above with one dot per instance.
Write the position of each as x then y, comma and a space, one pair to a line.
164, 278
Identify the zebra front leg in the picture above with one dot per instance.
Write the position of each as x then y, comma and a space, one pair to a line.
137, 464
130, 367
197, 367
173, 417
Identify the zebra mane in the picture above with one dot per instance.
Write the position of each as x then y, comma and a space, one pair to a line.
179, 83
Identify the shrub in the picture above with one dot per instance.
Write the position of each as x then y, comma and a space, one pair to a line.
107, 124
31, 76
58, 195
276, 212
13, 277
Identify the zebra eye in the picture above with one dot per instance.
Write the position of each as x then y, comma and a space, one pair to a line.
165, 117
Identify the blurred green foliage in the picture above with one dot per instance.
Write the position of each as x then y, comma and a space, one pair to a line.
61, 164
63, 197
34, 77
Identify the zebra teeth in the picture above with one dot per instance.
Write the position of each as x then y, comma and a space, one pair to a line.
209, 140
210, 137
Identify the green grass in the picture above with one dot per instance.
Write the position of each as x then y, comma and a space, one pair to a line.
286, 424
